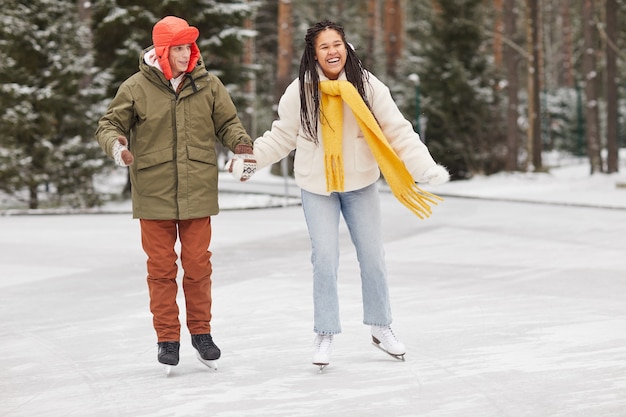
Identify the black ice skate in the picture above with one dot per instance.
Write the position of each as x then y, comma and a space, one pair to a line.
206, 350
168, 355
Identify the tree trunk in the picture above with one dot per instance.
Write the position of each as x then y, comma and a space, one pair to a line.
371, 35
285, 47
497, 33
611, 87
394, 27
511, 61
534, 107
33, 197
591, 94
283, 71
567, 73
249, 52
250, 86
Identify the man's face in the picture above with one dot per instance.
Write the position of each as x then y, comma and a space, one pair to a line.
179, 58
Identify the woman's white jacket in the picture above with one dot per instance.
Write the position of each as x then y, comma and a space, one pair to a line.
360, 167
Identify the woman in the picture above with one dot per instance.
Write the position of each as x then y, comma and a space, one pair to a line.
346, 129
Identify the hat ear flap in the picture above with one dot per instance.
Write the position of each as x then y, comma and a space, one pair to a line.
194, 57
163, 55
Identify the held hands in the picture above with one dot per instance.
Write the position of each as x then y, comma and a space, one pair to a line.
435, 175
121, 154
243, 164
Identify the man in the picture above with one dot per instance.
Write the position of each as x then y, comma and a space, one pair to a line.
163, 123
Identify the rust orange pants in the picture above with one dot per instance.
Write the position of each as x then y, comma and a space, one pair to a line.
158, 238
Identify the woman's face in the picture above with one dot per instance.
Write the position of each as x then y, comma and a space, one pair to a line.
330, 53
179, 58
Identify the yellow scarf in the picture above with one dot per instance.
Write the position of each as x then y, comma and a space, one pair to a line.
398, 178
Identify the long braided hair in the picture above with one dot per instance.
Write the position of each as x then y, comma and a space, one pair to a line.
309, 78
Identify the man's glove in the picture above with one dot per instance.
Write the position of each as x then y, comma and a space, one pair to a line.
243, 164
121, 154
435, 175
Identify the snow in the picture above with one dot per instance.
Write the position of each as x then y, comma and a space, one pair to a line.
510, 299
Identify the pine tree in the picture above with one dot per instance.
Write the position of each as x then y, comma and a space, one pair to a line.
459, 99
45, 148
122, 31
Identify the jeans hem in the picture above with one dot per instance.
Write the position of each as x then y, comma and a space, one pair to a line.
376, 324
326, 333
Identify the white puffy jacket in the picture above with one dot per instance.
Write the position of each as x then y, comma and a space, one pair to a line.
360, 167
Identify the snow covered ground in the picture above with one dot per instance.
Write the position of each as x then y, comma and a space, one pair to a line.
510, 299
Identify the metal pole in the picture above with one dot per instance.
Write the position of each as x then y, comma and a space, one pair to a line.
415, 79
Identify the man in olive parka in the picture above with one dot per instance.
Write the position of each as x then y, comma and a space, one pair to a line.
163, 123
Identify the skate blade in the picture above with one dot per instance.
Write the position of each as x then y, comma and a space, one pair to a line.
321, 367
212, 364
167, 369
398, 357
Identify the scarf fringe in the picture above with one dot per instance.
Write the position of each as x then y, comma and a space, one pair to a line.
417, 200
334, 173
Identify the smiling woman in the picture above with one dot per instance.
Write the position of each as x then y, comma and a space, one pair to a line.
346, 130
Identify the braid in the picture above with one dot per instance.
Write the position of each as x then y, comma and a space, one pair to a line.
309, 78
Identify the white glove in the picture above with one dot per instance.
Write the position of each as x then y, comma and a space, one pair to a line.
243, 164
121, 154
435, 175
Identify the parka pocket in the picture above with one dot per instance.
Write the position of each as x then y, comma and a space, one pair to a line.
156, 174
201, 155
155, 158
202, 171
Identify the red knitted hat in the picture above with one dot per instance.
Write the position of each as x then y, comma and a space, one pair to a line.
172, 31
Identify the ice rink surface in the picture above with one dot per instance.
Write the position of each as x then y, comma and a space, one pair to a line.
507, 309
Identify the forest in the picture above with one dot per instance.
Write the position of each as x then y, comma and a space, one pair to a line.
490, 85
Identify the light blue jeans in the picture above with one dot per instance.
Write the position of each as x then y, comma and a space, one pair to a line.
361, 211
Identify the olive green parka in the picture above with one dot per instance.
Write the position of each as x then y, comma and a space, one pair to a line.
172, 138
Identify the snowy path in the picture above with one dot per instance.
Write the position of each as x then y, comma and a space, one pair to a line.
506, 309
